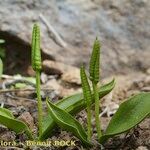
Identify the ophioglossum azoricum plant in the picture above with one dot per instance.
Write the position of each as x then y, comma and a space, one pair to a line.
87, 97
94, 77
37, 66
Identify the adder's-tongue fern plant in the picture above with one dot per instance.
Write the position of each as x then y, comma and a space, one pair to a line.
94, 77
36, 65
87, 97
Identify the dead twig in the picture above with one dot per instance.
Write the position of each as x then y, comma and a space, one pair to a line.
13, 82
54, 35
22, 98
18, 90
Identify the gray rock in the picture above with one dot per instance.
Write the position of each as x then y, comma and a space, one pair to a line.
122, 26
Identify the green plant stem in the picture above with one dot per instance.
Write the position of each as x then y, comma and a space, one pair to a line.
29, 134
96, 97
39, 102
1, 68
89, 125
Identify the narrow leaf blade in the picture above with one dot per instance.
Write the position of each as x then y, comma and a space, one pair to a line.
88, 99
67, 122
73, 105
129, 114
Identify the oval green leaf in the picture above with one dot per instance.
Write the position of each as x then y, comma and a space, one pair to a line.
72, 104
7, 119
64, 120
129, 114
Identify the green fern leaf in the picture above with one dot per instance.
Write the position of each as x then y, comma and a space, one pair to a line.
94, 62
36, 53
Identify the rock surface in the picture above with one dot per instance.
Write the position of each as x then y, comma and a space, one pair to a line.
122, 26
